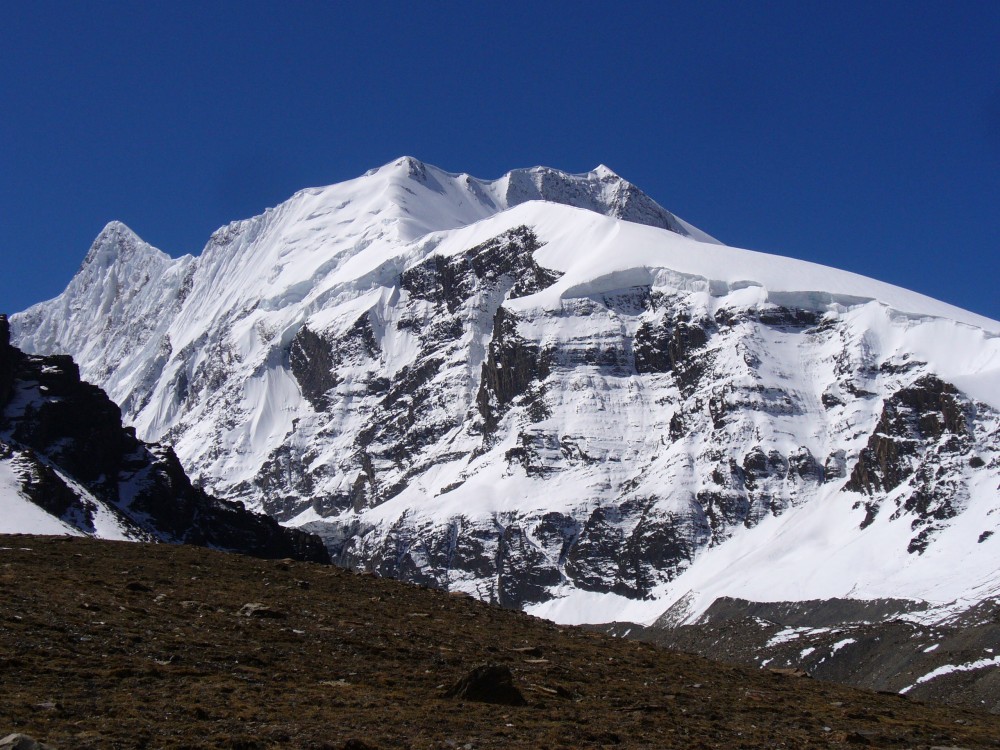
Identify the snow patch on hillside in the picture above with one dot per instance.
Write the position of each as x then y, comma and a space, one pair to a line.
18, 515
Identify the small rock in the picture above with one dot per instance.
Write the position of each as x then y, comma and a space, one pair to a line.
256, 609
488, 683
22, 742
137, 586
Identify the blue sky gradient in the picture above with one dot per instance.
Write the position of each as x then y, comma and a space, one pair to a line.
855, 134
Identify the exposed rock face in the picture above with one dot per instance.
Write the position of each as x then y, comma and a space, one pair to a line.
64, 440
409, 411
512, 366
914, 416
924, 437
668, 345
312, 362
626, 550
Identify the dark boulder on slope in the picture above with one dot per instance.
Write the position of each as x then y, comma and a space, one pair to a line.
488, 683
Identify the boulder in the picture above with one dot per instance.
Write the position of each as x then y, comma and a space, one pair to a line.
488, 683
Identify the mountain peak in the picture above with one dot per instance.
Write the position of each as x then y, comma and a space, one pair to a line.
115, 240
408, 166
117, 231
601, 190
413, 167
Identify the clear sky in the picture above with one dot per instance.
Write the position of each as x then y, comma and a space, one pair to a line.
864, 135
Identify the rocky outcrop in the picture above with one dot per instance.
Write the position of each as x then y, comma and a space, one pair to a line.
65, 441
505, 261
629, 549
505, 555
524, 572
314, 359
409, 410
673, 344
910, 419
512, 367
915, 456
311, 361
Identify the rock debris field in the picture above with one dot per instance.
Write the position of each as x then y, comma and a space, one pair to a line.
119, 645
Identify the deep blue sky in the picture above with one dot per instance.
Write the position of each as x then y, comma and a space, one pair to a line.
864, 135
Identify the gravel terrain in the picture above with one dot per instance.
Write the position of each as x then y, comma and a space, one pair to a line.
123, 645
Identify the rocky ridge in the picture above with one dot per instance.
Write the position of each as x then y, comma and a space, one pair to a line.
63, 444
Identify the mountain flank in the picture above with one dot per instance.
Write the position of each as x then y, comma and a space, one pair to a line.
69, 465
108, 644
549, 392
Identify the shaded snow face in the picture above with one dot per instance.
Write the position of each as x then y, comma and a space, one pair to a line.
504, 388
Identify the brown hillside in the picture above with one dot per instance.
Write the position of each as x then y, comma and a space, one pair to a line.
114, 645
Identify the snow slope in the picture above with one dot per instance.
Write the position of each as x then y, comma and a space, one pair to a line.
19, 515
550, 392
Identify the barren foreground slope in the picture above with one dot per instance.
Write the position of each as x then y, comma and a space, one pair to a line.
106, 644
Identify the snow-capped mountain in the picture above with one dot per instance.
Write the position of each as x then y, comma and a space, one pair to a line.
69, 467
548, 391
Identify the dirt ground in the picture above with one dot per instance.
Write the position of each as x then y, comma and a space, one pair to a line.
115, 645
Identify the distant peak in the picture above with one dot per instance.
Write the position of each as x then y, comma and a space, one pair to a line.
116, 228
115, 241
603, 171
409, 162
407, 165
